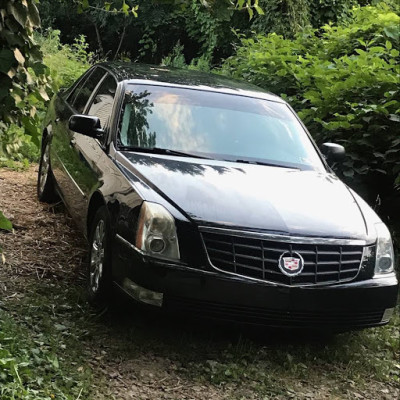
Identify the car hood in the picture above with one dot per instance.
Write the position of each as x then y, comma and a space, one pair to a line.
255, 197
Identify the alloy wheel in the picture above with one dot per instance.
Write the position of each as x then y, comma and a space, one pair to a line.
44, 167
97, 256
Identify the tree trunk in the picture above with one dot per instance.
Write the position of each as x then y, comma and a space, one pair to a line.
120, 42
99, 40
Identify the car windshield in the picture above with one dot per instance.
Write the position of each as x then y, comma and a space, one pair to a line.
214, 125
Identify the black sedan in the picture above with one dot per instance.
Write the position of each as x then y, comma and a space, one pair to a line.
205, 195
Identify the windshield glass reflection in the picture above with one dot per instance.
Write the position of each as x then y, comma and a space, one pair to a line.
216, 125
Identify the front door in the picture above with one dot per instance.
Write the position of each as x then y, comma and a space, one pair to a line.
67, 163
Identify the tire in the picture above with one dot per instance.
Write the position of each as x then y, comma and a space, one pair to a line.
46, 191
99, 266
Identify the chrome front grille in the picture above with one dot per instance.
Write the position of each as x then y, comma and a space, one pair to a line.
258, 258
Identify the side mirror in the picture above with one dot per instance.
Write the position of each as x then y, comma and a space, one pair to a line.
333, 152
86, 125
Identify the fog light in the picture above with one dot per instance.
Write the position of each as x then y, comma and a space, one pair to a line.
143, 295
387, 314
156, 244
385, 262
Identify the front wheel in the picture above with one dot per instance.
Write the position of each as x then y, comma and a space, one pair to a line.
45, 185
99, 269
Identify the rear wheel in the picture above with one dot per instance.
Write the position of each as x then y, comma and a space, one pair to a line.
45, 185
99, 269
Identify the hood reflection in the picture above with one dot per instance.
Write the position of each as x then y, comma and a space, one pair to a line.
253, 197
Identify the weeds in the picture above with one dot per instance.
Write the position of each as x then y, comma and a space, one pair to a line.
40, 353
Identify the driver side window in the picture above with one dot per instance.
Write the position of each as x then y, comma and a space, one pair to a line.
103, 101
82, 93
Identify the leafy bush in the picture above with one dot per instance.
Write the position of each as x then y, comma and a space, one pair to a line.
16, 145
19, 137
66, 62
344, 82
20, 57
176, 59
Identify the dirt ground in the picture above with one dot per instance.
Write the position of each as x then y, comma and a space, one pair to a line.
145, 356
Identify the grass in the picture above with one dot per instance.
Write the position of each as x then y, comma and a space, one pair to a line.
355, 357
50, 341
274, 364
40, 352
14, 165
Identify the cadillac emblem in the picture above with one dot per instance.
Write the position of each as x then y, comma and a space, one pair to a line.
291, 264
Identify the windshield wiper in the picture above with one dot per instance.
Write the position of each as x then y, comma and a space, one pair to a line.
265, 163
160, 150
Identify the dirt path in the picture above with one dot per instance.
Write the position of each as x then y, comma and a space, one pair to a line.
146, 356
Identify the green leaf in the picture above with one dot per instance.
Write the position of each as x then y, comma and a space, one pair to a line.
5, 85
392, 32
39, 68
349, 173
394, 117
394, 53
19, 57
125, 8
33, 14
5, 224
7, 59
259, 9
19, 12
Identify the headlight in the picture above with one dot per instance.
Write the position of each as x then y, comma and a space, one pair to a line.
156, 232
384, 250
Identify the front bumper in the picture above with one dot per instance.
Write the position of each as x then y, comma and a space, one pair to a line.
205, 293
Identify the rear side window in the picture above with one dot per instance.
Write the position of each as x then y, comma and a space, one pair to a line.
83, 91
101, 106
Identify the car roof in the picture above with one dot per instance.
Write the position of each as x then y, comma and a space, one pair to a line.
169, 76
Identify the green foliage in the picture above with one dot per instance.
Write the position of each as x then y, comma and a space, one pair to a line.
127, 7
287, 17
16, 145
66, 62
176, 59
12, 139
203, 27
332, 10
344, 82
30, 369
352, 354
284, 17
20, 91
5, 224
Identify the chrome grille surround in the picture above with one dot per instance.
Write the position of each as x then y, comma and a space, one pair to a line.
255, 255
